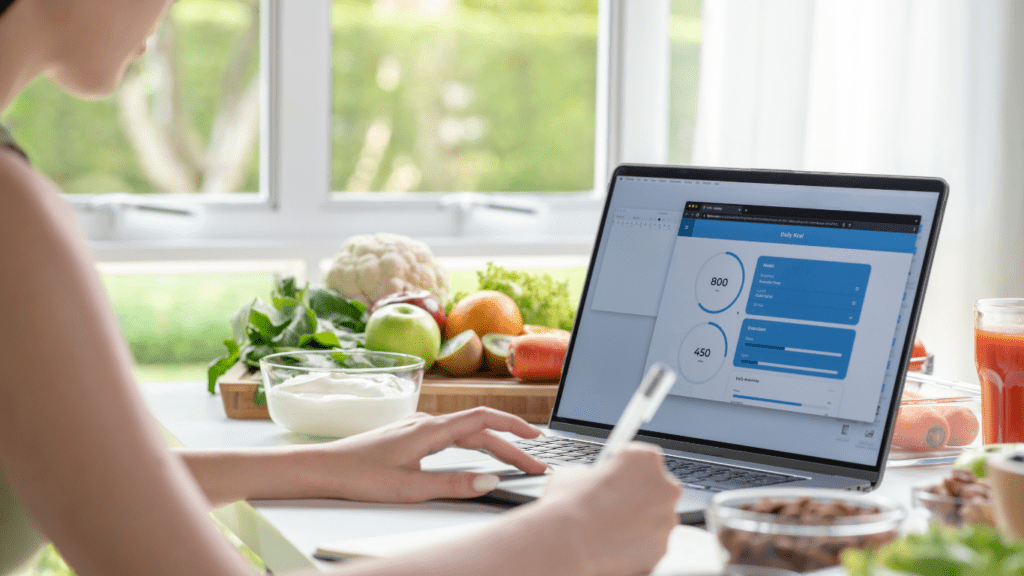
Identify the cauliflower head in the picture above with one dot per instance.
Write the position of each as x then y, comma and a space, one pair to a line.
371, 266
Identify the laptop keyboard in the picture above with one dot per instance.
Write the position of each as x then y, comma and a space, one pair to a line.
691, 472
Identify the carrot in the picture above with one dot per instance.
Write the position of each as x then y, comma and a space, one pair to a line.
920, 428
537, 329
963, 424
537, 356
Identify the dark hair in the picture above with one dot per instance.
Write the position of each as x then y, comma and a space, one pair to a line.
4, 5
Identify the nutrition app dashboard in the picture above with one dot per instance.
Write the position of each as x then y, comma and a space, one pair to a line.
781, 319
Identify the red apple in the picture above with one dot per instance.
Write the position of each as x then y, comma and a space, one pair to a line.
422, 298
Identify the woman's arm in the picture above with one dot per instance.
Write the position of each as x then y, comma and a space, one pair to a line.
382, 465
77, 444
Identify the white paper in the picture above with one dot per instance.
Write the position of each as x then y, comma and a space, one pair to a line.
691, 551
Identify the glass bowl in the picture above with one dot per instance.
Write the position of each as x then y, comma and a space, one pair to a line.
951, 510
923, 364
920, 437
334, 393
798, 529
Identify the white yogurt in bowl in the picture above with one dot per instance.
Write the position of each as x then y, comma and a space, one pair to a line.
333, 394
332, 405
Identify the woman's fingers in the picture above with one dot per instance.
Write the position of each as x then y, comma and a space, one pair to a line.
443, 431
502, 450
431, 485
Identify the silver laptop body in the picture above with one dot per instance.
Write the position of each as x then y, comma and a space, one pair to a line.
787, 303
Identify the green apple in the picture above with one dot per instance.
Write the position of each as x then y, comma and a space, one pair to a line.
976, 459
404, 328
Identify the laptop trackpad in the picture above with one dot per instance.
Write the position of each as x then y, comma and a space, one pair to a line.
528, 485
524, 487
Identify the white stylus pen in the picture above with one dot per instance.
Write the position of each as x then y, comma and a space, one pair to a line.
641, 408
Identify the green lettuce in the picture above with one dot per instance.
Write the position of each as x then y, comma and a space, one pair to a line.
975, 550
541, 299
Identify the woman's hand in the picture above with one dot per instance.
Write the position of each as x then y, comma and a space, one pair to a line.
610, 519
617, 515
383, 465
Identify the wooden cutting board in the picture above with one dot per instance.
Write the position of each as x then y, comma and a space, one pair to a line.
440, 394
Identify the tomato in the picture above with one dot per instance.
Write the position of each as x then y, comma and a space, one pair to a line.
919, 350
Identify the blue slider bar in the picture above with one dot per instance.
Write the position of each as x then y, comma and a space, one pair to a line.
766, 400
820, 351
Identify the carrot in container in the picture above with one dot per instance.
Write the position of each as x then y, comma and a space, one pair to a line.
537, 356
963, 424
920, 428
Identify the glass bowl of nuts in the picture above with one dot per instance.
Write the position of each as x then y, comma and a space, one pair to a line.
957, 500
798, 529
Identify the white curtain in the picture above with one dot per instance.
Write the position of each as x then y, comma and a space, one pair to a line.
910, 87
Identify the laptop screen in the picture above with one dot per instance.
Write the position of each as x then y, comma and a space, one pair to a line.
783, 302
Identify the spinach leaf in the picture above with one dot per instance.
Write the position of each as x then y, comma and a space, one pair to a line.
219, 366
297, 318
302, 323
333, 307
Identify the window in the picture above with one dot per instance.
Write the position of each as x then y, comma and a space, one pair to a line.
684, 34
480, 127
176, 315
184, 121
470, 96
272, 130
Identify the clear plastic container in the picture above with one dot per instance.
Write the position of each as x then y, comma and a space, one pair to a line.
958, 404
756, 539
923, 364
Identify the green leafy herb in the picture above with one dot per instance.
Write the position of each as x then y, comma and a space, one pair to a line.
975, 550
298, 318
541, 300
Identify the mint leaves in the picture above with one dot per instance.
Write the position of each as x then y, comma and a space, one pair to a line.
295, 319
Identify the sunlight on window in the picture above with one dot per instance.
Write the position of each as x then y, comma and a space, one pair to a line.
175, 316
184, 121
464, 95
685, 61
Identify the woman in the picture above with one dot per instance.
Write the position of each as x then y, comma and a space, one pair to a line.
82, 463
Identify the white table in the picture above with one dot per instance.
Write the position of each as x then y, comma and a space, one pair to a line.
285, 534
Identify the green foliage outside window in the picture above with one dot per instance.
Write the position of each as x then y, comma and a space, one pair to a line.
515, 81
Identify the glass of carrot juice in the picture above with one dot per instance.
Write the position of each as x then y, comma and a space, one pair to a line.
999, 358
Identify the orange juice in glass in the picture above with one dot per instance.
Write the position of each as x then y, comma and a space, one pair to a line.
999, 358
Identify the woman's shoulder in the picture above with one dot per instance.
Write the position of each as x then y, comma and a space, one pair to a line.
18, 177
32, 202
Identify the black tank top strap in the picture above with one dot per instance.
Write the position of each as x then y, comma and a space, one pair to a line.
4, 5
7, 141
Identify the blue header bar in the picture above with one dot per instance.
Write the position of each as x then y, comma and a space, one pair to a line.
800, 235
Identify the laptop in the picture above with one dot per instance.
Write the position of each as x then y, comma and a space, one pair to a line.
786, 302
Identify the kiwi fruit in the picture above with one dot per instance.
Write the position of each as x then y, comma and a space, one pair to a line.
461, 354
496, 351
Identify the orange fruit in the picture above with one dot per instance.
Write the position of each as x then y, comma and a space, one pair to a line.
485, 312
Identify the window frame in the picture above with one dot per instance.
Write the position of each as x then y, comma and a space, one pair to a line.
294, 216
